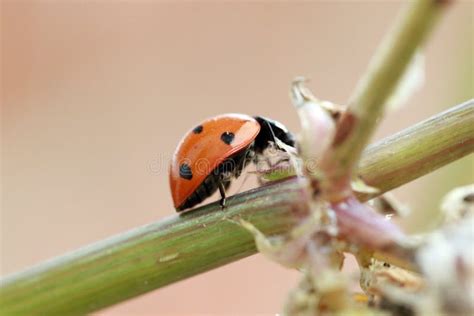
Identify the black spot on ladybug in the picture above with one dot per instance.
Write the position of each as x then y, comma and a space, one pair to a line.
185, 172
227, 137
198, 129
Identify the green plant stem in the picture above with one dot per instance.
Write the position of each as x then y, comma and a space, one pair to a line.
367, 102
178, 247
405, 161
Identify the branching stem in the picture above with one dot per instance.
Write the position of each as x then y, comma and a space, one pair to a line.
367, 102
179, 247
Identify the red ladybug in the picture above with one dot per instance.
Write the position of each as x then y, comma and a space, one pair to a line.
217, 150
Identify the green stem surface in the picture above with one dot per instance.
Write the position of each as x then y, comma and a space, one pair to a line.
178, 247
366, 105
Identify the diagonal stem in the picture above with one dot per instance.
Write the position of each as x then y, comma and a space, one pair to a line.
178, 247
366, 105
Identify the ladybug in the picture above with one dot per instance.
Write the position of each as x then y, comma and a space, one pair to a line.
216, 151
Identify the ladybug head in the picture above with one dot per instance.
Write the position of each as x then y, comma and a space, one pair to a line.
269, 130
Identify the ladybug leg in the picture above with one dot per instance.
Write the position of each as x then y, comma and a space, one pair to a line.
281, 161
248, 157
222, 192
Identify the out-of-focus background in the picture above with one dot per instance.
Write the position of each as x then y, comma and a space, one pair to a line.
96, 95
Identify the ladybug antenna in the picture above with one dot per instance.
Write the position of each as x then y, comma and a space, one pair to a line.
273, 134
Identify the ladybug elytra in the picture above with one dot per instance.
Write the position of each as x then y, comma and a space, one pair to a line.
216, 151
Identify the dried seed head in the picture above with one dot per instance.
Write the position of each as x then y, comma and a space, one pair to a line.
447, 262
458, 204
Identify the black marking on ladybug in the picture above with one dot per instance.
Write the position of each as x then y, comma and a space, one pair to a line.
198, 129
185, 172
227, 137
233, 165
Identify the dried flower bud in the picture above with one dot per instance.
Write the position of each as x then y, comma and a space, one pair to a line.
447, 262
458, 204
359, 224
317, 123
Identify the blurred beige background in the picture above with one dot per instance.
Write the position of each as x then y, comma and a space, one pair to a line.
96, 95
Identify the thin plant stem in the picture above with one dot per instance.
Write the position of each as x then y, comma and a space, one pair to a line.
366, 105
